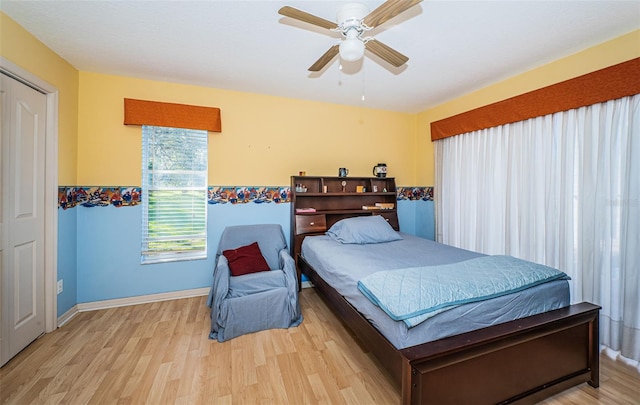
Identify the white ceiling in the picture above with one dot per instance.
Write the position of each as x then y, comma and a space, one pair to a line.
454, 46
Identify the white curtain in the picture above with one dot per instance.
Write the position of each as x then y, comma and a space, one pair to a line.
561, 190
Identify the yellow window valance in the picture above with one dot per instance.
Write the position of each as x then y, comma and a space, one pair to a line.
142, 112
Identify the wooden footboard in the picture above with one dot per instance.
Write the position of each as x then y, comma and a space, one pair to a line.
521, 361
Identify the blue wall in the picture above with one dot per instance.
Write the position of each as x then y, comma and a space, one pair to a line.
99, 248
417, 218
67, 261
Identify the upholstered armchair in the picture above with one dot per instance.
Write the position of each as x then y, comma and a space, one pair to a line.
254, 283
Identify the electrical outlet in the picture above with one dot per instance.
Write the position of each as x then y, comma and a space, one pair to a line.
60, 286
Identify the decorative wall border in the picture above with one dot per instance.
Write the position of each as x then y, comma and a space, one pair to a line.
414, 193
69, 197
243, 195
128, 196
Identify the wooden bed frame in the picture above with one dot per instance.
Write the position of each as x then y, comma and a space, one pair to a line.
522, 361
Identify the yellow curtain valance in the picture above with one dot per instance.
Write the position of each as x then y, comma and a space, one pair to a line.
610, 83
142, 112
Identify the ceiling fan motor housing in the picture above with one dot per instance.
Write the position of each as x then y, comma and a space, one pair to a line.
350, 15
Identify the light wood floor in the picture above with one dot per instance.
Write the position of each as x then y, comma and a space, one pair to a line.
159, 354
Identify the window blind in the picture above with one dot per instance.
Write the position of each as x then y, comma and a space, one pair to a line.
174, 194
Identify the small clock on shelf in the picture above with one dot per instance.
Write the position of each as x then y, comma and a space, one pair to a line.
344, 185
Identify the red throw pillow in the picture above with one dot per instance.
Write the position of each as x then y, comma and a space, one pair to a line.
246, 259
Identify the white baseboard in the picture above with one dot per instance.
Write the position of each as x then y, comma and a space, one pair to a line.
142, 299
66, 317
122, 302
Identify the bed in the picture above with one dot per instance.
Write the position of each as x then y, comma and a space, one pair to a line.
514, 348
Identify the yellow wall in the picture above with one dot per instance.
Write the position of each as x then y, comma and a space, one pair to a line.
618, 50
24, 50
264, 139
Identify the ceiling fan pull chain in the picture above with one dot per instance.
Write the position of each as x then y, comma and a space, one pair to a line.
363, 84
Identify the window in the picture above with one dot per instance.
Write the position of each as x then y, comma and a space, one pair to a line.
174, 194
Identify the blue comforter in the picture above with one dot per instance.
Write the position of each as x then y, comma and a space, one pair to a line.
417, 293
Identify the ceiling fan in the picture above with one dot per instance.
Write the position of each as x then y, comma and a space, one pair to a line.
353, 20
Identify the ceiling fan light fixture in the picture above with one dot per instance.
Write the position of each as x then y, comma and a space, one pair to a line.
353, 20
351, 50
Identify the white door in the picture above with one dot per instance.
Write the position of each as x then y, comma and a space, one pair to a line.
22, 151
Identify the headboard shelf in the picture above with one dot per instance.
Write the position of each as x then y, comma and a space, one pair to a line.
349, 211
318, 202
340, 193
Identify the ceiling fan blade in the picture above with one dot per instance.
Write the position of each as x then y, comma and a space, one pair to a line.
324, 59
387, 11
386, 53
300, 15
